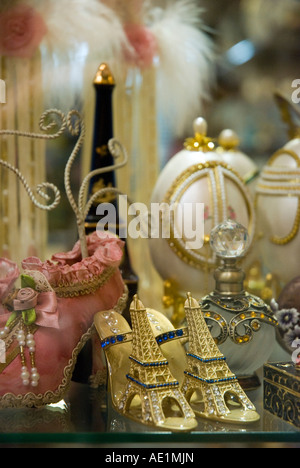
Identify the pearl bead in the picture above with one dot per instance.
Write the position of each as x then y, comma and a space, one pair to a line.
22, 343
30, 343
200, 126
26, 382
4, 332
29, 336
25, 375
32, 349
35, 377
229, 139
34, 383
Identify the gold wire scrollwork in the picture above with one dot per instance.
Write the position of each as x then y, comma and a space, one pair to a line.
52, 128
216, 321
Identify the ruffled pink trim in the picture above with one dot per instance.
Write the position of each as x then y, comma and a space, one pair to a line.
105, 251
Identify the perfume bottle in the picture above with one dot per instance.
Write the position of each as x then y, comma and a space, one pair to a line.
242, 325
104, 84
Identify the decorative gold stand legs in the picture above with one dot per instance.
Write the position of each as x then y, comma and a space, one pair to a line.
150, 380
142, 385
151, 395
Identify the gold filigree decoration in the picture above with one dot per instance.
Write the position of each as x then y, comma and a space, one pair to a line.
249, 311
199, 143
214, 171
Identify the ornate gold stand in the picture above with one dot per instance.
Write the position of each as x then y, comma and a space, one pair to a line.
219, 394
150, 381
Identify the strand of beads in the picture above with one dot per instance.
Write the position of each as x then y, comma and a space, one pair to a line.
35, 377
4, 332
24, 370
26, 377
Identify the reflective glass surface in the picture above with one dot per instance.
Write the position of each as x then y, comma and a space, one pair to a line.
86, 417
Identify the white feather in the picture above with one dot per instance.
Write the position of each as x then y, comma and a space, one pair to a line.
81, 34
185, 67
73, 22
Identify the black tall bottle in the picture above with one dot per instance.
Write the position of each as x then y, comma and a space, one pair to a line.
104, 84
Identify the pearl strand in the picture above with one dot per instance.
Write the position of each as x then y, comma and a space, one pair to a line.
35, 377
4, 332
24, 370
26, 377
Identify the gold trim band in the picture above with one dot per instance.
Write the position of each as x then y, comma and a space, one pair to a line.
182, 183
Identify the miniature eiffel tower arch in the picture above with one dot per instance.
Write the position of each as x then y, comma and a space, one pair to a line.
209, 386
151, 380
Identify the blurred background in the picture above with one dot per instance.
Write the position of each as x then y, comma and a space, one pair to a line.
258, 42
253, 52
256, 47
172, 61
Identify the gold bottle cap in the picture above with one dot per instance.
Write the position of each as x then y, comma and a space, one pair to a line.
200, 141
104, 76
230, 241
229, 279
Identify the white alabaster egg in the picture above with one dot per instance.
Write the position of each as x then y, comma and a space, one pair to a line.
199, 174
232, 155
278, 212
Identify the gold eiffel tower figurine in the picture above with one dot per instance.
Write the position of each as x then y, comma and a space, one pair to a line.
151, 388
212, 390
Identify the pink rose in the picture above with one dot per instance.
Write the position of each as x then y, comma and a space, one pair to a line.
21, 31
26, 299
9, 273
110, 254
144, 45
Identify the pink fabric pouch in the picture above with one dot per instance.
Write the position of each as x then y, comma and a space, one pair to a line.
65, 295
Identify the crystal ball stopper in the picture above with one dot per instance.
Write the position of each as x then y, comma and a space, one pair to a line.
229, 240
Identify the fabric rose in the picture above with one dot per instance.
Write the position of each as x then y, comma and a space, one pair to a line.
41, 308
143, 43
9, 273
22, 29
26, 299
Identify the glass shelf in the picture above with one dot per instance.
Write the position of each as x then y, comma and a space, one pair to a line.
86, 417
